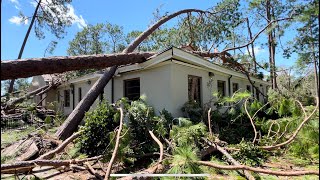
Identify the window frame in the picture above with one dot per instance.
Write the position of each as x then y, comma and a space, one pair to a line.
224, 87
199, 100
67, 100
233, 91
79, 94
249, 88
125, 91
257, 95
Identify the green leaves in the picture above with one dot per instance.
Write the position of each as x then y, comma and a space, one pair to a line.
99, 125
188, 134
183, 161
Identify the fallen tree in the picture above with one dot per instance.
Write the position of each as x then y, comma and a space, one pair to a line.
73, 120
48, 65
27, 166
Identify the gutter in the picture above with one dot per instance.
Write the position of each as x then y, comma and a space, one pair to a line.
229, 84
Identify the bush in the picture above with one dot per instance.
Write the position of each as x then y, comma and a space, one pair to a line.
193, 111
99, 123
142, 119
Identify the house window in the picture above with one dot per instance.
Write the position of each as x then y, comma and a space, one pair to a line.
66, 98
79, 94
249, 88
235, 87
222, 88
132, 88
194, 84
257, 95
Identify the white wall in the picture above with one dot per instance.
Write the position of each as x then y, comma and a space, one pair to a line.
155, 83
165, 85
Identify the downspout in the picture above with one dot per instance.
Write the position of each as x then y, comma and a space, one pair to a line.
229, 84
112, 89
253, 89
72, 98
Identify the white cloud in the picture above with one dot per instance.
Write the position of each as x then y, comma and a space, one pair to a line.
18, 20
257, 50
75, 19
81, 23
16, 4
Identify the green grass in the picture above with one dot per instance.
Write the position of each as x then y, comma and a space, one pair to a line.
11, 136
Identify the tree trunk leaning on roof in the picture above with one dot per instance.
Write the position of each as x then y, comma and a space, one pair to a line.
74, 119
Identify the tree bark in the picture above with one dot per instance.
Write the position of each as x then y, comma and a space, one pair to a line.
60, 148
25, 166
49, 65
316, 77
234, 162
271, 46
73, 120
10, 90
252, 47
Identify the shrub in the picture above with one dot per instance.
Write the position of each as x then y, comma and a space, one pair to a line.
99, 123
193, 111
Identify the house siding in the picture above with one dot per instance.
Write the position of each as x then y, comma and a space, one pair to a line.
163, 80
155, 84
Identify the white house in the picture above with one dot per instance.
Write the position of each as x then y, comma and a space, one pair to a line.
169, 80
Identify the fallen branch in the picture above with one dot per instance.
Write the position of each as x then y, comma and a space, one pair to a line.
60, 148
229, 157
258, 170
115, 151
160, 145
26, 166
251, 120
234, 162
306, 119
92, 171
12, 102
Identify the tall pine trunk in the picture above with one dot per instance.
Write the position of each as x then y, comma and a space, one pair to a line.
10, 89
271, 46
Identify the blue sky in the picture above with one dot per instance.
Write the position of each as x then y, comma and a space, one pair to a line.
132, 15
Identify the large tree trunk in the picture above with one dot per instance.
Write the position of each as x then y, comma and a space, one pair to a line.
271, 45
252, 48
49, 65
71, 123
316, 77
10, 90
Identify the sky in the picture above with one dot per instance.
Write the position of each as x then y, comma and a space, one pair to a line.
132, 15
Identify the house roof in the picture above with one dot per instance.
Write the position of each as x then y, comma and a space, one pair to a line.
178, 55
48, 77
187, 58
